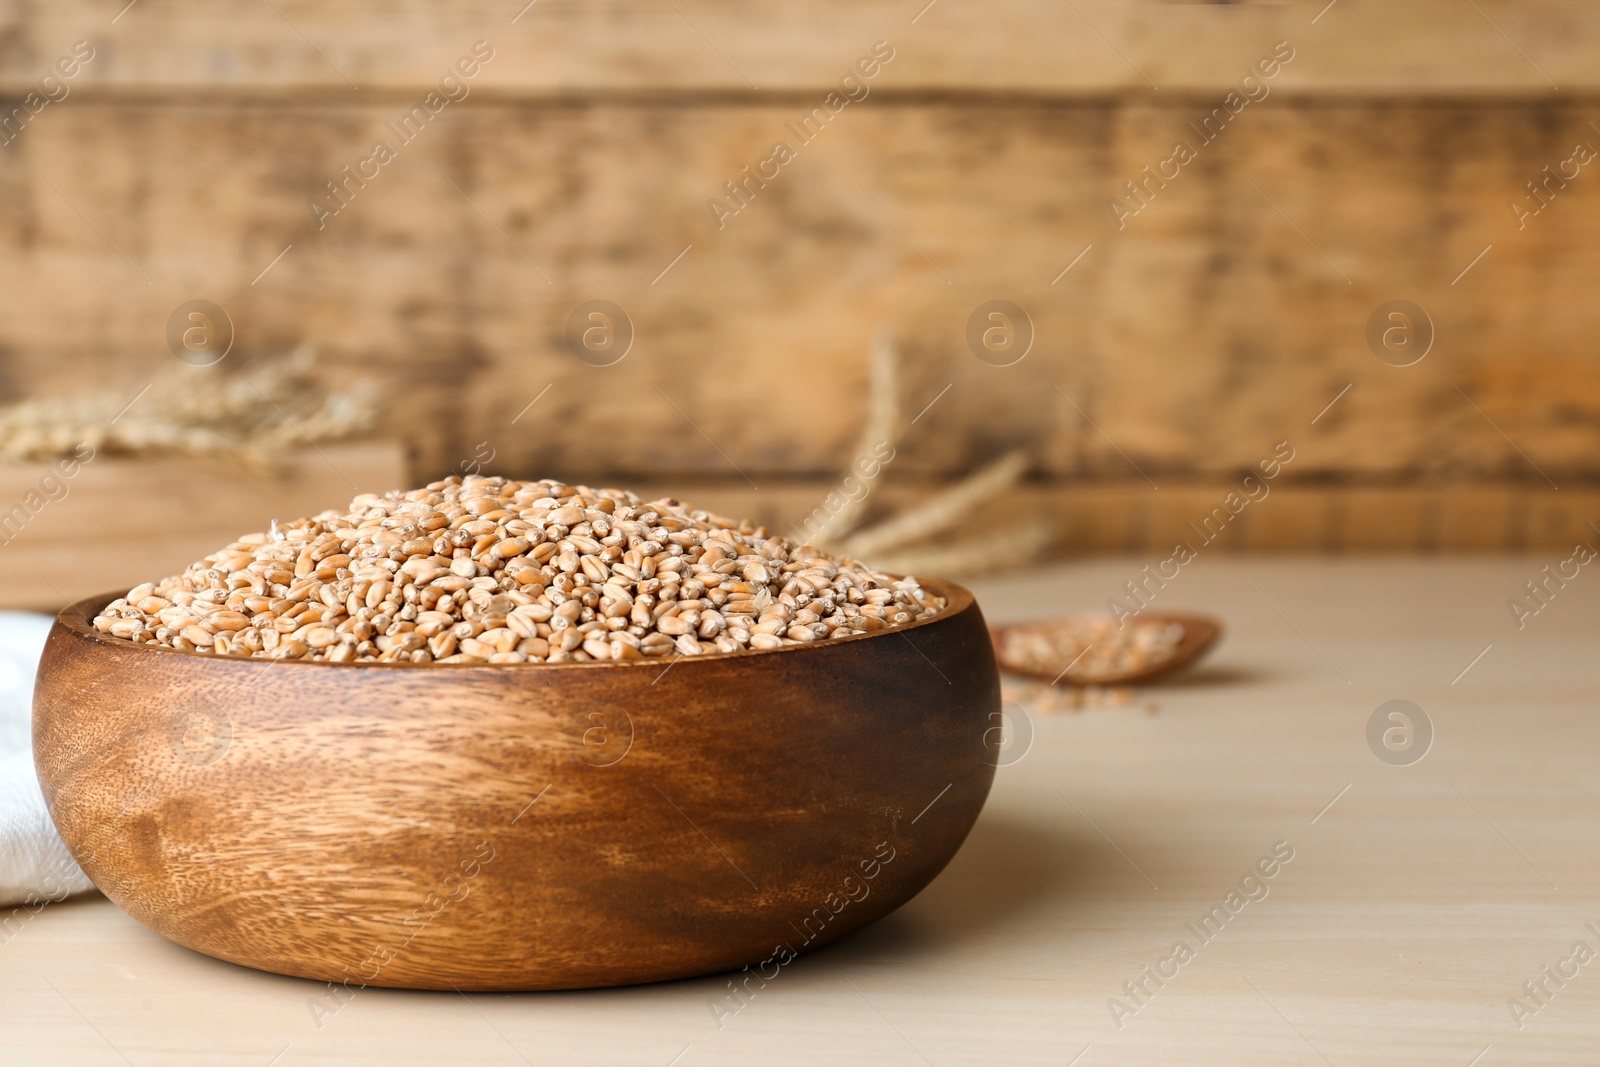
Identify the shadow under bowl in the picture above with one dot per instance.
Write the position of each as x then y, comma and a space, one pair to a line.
517, 827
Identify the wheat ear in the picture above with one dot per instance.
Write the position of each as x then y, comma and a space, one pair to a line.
940, 511
974, 555
883, 413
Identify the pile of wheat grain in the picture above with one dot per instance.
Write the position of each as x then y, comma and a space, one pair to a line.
491, 570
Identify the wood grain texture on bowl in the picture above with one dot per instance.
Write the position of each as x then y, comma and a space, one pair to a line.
517, 827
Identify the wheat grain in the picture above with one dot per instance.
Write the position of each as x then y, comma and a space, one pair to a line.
489, 570
1096, 646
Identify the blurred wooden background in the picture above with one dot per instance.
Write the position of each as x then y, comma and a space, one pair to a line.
1173, 354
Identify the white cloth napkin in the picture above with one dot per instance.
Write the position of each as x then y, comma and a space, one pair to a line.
33, 860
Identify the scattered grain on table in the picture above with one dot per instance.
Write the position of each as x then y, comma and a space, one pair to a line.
1047, 699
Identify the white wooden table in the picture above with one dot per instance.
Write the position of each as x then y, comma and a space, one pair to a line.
1418, 901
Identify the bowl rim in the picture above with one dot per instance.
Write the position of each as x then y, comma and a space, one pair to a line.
75, 617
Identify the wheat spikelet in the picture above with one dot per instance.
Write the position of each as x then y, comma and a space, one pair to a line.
895, 541
974, 555
253, 418
939, 512
883, 412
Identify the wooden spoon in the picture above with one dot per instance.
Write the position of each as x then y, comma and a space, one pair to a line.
1053, 649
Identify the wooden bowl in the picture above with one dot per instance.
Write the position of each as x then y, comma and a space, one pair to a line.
518, 827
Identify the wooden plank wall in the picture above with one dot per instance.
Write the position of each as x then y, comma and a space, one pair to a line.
1185, 341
